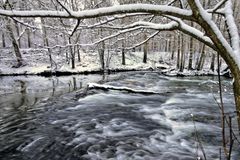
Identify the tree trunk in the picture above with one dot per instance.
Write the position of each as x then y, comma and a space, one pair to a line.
72, 53
3, 40
182, 64
18, 34
201, 59
212, 66
14, 43
236, 89
178, 50
45, 41
101, 51
173, 47
78, 53
190, 60
123, 53
72, 57
29, 38
145, 50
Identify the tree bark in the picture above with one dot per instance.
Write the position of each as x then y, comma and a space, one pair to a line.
78, 53
190, 60
45, 41
101, 51
182, 62
18, 34
72, 53
201, 59
178, 50
236, 89
123, 53
14, 43
212, 66
145, 50
3, 40
29, 38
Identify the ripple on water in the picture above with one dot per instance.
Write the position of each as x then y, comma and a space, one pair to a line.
115, 125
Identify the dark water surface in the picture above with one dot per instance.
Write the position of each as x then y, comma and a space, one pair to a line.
44, 119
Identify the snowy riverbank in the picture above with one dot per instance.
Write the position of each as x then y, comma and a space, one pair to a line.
36, 62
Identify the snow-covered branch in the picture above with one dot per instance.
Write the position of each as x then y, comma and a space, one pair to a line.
187, 29
105, 11
219, 5
110, 19
204, 19
232, 27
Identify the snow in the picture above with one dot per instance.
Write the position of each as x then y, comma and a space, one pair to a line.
37, 61
234, 52
233, 30
116, 9
191, 30
95, 85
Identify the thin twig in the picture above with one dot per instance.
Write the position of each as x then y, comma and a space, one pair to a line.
222, 107
64, 7
198, 139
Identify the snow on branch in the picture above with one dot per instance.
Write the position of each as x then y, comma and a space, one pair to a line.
219, 5
177, 24
127, 89
105, 11
205, 20
232, 27
113, 18
187, 29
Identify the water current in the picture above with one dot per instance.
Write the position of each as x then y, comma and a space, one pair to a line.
51, 119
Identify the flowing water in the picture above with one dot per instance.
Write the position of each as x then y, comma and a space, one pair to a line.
48, 118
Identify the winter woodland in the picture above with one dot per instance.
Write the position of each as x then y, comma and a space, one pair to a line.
187, 37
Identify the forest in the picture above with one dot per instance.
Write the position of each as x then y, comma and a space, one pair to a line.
120, 79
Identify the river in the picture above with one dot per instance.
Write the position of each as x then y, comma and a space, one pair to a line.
48, 118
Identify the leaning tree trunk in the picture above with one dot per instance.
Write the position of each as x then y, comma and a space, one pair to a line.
14, 43
236, 90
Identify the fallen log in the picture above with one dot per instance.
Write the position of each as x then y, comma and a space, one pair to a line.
127, 89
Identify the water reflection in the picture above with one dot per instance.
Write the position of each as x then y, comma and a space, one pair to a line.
21, 92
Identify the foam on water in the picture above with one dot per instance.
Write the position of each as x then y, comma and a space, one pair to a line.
116, 125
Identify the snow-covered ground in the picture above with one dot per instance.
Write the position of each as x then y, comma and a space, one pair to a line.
36, 61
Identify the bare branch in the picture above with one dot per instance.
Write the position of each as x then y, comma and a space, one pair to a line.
171, 2
146, 40
64, 7
219, 5
75, 28
117, 34
24, 24
116, 17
